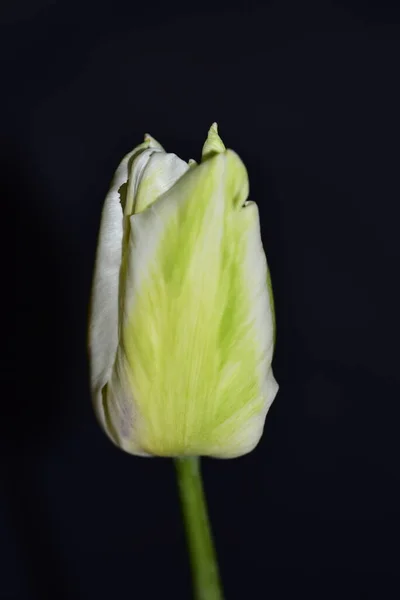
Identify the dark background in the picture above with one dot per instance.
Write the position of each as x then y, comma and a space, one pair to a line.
308, 95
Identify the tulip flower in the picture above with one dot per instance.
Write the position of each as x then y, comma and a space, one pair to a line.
181, 332
182, 327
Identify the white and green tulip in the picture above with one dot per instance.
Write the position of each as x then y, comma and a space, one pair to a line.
182, 322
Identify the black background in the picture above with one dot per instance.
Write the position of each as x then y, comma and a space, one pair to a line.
308, 95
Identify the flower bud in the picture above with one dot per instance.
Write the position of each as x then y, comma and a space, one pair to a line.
181, 329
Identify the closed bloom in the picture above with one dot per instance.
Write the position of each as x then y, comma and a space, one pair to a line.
181, 329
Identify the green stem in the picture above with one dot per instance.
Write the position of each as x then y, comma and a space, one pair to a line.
203, 558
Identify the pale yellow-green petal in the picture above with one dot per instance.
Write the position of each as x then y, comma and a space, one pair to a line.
196, 337
213, 144
159, 174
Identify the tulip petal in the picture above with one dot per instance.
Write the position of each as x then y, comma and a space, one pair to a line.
196, 335
213, 144
103, 321
104, 308
159, 175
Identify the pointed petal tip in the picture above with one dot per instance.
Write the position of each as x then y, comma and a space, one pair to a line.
151, 142
213, 144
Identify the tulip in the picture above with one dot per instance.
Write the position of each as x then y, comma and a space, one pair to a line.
182, 327
181, 331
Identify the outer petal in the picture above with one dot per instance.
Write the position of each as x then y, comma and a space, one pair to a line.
104, 309
196, 335
143, 175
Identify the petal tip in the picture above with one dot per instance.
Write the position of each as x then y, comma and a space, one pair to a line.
151, 142
213, 144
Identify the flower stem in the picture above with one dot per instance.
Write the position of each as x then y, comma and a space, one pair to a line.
206, 581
